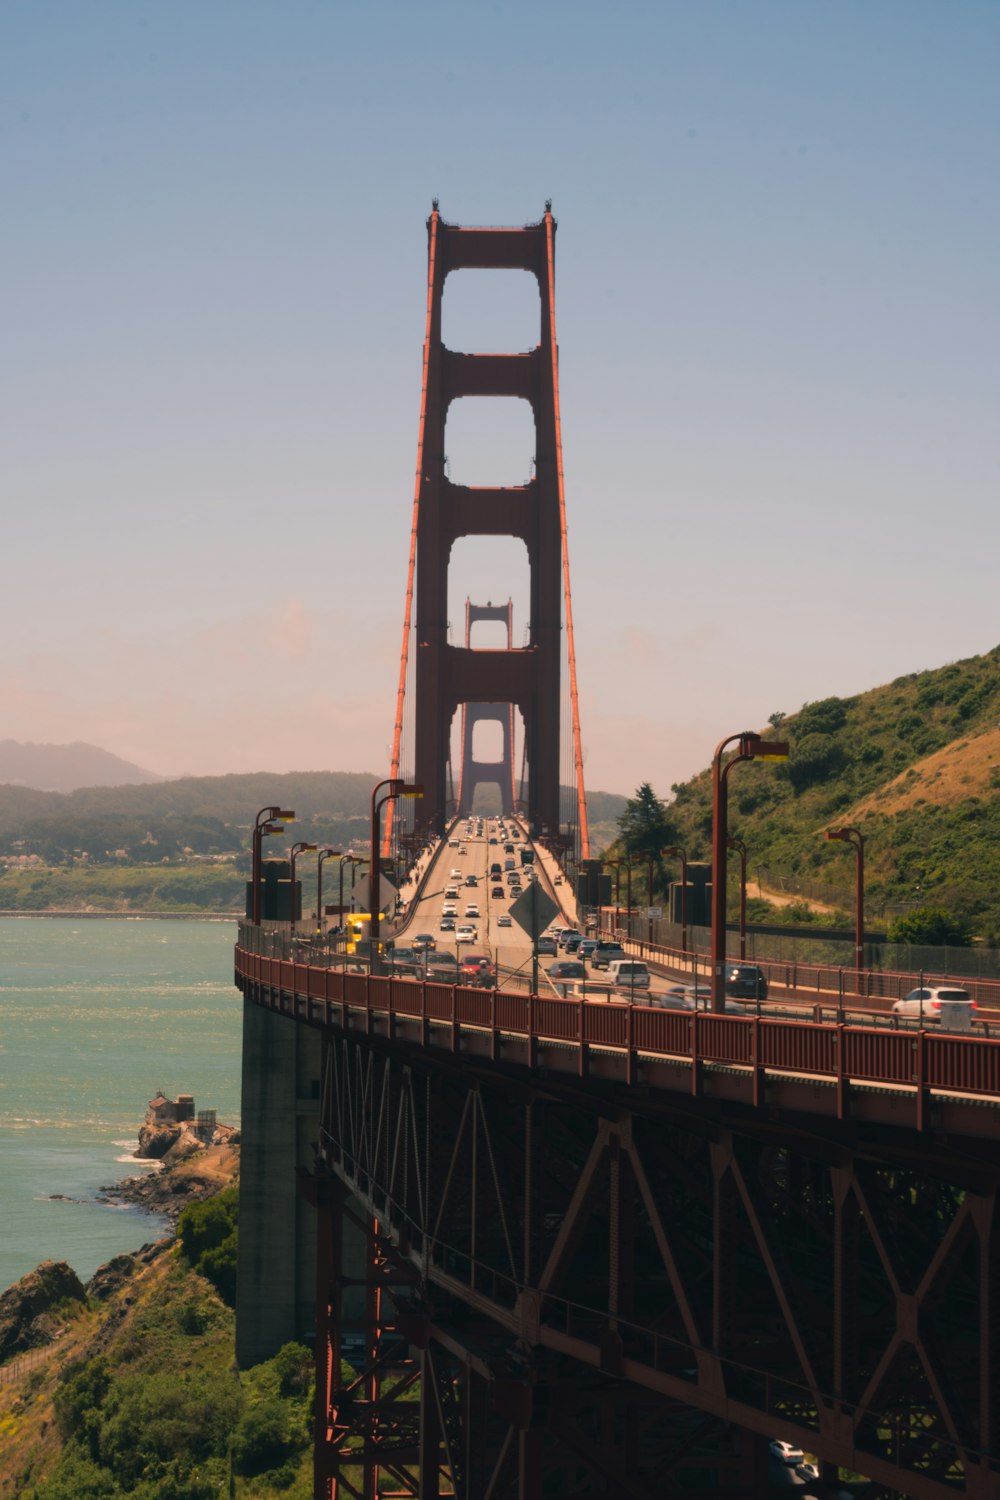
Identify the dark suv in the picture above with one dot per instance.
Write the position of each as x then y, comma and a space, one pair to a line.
745, 982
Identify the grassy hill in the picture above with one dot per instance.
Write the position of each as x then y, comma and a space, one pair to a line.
915, 765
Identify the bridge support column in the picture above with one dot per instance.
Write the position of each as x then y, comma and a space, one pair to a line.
275, 1285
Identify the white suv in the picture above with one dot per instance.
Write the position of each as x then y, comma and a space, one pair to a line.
628, 974
942, 1004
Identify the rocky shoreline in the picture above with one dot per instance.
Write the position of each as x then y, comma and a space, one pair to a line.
190, 1168
36, 1311
169, 1190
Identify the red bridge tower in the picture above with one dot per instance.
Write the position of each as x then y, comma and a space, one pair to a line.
448, 676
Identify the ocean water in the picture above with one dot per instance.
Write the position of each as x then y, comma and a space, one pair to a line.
96, 1016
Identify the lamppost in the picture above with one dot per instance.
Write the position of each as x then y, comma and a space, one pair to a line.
749, 747
325, 853
628, 893
675, 852
293, 854
616, 865
741, 849
856, 837
396, 788
268, 821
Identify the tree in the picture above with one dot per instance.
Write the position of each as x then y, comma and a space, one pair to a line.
646, 824
929, 926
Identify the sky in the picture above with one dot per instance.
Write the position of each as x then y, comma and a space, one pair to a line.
779, 328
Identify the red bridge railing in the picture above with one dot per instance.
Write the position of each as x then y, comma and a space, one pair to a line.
916, 1060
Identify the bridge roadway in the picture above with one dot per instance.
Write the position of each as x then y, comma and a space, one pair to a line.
467, 856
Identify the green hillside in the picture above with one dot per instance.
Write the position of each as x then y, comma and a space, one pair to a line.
915, 765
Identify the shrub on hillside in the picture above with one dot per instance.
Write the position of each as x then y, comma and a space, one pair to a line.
929, 926
207, 1234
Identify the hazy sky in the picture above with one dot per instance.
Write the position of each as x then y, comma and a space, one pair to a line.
777, 300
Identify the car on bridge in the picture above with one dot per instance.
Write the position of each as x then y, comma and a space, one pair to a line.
567, 968
504, 921
628, 974
546, 945
692, 997
466, 934
424, 941
449, 909
479, 965
471, 909
498, 892
447, 924
585, 947
946, 1005
605, 953
471, 880
746, 982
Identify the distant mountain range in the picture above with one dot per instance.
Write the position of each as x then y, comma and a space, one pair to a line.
64, 768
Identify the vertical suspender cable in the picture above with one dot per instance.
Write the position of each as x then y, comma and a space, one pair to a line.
574, 695
407, 622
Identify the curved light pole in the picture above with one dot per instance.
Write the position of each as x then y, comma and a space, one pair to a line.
395, 788
268, 821
856, 837
293, 854
749, 747
741, 849
675, 852
325, 853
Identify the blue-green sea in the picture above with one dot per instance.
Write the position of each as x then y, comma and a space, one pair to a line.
97, 1015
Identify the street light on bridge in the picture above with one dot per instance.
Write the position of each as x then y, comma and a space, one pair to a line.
268, 821
616, 865
293, 854
676, 852
749, 747
325, 853
395, 788
856, 837
741, 849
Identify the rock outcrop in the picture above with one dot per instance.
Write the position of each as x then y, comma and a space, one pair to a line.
33, 1310
156, 1140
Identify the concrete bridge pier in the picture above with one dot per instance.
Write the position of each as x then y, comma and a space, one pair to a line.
276, 1264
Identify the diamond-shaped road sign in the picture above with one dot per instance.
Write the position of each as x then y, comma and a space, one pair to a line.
533, 910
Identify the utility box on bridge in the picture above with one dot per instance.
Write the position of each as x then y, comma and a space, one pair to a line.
275, 893
699, 897
592, 887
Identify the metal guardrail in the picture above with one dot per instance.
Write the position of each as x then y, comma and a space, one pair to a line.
917, 1060
809, 979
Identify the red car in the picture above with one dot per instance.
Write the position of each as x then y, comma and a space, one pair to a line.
478, 966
